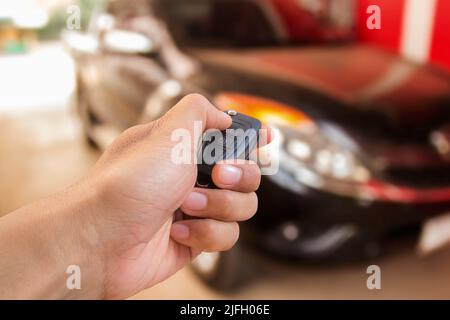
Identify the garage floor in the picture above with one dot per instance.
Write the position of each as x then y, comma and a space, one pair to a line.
44, 151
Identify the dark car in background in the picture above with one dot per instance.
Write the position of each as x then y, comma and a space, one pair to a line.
364, 136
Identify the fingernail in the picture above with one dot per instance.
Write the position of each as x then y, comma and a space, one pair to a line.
179, 231
230, 175
195, 201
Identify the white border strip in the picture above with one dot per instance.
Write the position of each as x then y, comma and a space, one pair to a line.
418, 23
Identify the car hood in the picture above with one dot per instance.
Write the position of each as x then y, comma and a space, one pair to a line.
357, 86
391, 108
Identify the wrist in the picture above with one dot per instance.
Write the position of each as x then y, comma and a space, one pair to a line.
39, 243
76, 238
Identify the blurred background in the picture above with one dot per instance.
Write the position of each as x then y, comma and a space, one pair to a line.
359, 91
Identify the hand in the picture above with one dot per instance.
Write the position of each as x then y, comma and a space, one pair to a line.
139, 189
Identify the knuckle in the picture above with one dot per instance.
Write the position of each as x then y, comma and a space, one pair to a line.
127, 137
195, 99
255, 174
129, 132
253, 206
208, 232
234, 238
227, 204
156, 124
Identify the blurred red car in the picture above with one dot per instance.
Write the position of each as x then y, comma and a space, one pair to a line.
364, 135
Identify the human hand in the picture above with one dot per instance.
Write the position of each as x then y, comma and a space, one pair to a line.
139, 189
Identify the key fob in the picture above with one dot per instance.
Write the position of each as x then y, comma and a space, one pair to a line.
237, 142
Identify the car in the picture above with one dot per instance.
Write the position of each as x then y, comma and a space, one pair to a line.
363, 135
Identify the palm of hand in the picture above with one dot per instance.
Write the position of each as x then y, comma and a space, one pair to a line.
143, 206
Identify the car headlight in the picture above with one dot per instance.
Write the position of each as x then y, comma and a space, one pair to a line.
310, 158
307, 155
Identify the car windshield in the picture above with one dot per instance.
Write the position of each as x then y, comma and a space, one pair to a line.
217, 23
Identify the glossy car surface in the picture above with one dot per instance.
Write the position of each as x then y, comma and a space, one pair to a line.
364, 136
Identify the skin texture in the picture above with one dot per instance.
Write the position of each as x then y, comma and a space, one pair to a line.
121, 224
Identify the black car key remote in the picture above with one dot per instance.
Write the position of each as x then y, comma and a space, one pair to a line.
237, 142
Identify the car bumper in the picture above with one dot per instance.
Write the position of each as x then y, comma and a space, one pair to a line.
317, 226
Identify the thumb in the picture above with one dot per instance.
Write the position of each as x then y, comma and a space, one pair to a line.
192, 108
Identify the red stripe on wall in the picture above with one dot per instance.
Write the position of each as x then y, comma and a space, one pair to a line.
440, 45
391, 23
